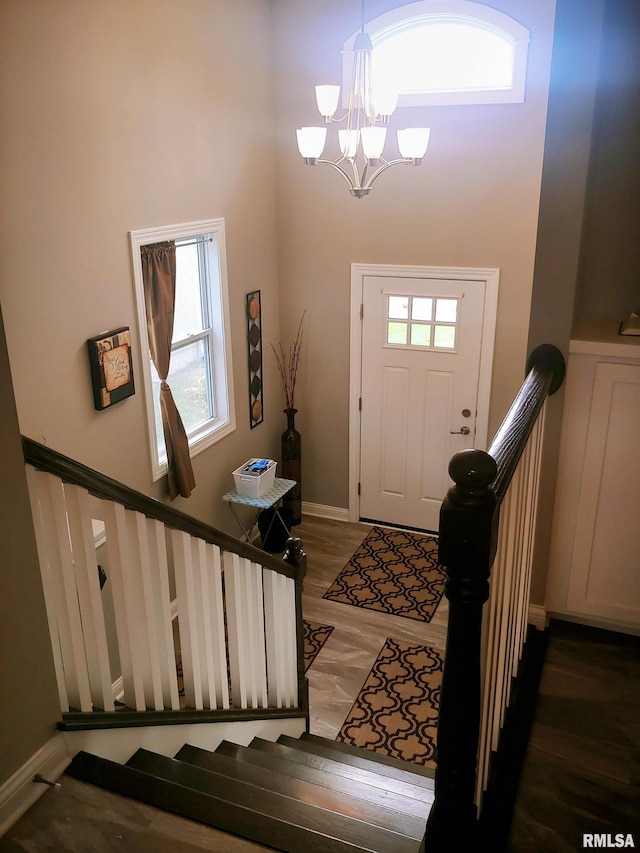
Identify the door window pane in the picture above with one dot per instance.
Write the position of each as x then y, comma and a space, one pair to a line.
397, 333
399, 307
446, 310
421, 308
420, 335
444, 336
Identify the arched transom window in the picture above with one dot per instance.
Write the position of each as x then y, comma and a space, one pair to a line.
447, 52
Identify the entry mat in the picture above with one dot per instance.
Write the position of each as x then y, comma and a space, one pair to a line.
396, 712
392, 571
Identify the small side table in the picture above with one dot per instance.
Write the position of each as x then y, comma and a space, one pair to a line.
270, 499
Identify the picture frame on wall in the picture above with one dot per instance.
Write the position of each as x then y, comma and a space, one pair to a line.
111, 367
254, 340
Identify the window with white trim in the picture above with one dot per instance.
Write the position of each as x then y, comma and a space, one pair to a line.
446, 52
200, 374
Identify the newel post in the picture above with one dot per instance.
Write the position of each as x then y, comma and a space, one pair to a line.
466, 550
296, 557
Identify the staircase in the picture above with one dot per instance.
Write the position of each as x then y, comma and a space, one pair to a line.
241, 631
308, 794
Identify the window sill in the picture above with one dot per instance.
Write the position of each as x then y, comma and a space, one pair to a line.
196, 447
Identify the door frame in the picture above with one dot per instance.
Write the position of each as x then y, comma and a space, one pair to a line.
489, 277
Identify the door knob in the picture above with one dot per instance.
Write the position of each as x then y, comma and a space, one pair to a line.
462, 431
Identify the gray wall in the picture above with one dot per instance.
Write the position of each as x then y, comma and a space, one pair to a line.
29, 707
609, 275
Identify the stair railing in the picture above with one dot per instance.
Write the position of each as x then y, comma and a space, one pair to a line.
487, 525
183, 594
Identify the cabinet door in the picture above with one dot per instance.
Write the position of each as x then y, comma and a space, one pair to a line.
605, 568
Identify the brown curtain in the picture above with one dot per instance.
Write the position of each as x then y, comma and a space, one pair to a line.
159, 281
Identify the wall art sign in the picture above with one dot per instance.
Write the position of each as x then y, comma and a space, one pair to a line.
111, 367
254, 337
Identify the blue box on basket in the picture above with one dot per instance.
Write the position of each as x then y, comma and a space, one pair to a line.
255, 477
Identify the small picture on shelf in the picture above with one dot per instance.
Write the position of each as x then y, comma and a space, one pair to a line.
630, 325
111, 367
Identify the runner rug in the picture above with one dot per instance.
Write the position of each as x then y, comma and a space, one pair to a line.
315, 636
396, 712
392, 571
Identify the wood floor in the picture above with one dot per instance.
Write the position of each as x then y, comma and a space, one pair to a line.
582, 769
346, 658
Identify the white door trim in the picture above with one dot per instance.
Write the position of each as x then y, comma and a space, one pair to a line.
491, 279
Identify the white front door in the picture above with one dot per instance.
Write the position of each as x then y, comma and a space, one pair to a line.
420, 376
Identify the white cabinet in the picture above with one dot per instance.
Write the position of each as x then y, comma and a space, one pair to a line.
594, 568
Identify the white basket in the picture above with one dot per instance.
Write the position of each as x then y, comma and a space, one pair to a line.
251, 484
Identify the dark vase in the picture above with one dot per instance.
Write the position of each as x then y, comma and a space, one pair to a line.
291, 466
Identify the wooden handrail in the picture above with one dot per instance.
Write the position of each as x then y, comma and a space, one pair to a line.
469, 520
545, 375
70, 471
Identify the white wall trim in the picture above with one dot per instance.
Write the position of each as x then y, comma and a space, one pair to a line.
20, 792
336, 513
537, 616
491, 278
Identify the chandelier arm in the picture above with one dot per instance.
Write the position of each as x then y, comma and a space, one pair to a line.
385, 166
343, 172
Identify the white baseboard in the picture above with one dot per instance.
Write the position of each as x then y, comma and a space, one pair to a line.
20, 792
537, 616
335, 513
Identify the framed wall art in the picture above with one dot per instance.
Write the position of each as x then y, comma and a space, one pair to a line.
111, 367
254, 338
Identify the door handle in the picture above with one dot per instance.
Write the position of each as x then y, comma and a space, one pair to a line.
462, 431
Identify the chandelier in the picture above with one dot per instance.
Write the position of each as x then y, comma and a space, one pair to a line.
363, 137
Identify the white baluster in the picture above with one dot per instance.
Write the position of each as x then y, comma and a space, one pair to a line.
236, 634
215, 609
52, 594
274, 633
127, 602
85, 567
162, 613
190, 645
67, 607
150, 635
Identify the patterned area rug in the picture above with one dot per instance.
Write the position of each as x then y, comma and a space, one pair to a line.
396, 712
315, 636
393, 571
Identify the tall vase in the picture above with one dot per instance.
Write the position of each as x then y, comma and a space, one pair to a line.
291, 466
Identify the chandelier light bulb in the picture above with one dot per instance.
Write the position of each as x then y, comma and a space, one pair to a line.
385, 101
311, 141
327, 98
413, 142
348, 140
373, 139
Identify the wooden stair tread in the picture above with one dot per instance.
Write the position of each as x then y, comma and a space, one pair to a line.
363, 762
269, 818
314, 775
334, 765
376, 757
327, 810
298, 789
